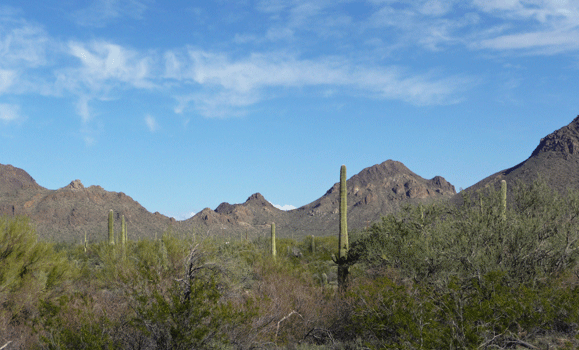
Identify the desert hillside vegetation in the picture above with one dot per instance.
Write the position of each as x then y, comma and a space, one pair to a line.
483, 275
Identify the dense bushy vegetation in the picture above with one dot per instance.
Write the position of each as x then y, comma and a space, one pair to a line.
429, 277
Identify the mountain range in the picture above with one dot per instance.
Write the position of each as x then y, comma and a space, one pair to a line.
70, 212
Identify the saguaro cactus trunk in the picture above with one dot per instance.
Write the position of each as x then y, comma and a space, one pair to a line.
273, 250
343, 237
123, 231
111, 228
503, 199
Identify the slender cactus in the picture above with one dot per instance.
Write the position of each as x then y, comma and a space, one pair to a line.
343, 238
111, 228
123, 231
342, 260
504, 199
85, 243
313, 246
273, 251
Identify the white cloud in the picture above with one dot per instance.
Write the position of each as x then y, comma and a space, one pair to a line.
551, 42
229, 85
285, 207
537, 27
22, 44
7, 78
100, 12
103, 62
184, 216
543, 11
151, 123
83, 109
435, 7
10, 113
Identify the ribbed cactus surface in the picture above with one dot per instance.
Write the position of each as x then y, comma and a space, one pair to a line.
111, 228
343, 238
273, 250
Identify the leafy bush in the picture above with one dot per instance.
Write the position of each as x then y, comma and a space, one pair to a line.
29, 271
476, 277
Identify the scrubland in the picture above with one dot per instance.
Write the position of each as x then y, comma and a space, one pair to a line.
475, 276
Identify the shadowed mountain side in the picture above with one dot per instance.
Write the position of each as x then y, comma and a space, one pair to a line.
555, 160
372, 193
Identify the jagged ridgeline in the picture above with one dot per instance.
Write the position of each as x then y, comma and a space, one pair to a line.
66, 214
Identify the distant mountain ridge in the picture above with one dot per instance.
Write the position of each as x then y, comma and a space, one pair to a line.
373, 192
73, 210
67, 213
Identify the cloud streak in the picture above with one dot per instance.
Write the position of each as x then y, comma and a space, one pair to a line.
151, 123
100, 12
245, 81
10, 113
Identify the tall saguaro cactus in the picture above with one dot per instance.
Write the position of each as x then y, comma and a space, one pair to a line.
123, 231
111, 228
342, 260
343, 239
503, 199
273, 250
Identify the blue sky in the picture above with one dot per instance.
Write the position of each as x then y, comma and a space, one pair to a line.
183, 105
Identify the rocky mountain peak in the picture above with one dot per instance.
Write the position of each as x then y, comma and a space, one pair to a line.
564, 141
257, 199
224, 208
75, 185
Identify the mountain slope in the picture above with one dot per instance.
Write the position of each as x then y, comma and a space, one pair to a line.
68, 213
555, 160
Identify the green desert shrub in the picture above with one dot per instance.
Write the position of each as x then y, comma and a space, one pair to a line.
476, 275
29, 269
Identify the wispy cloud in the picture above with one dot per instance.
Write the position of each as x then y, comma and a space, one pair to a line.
151, 123
100, 12
83, 109
546, 42
10, 113
185, 216
22, 44
229, 83
103, 68
537, 27
103, 62
6, 79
